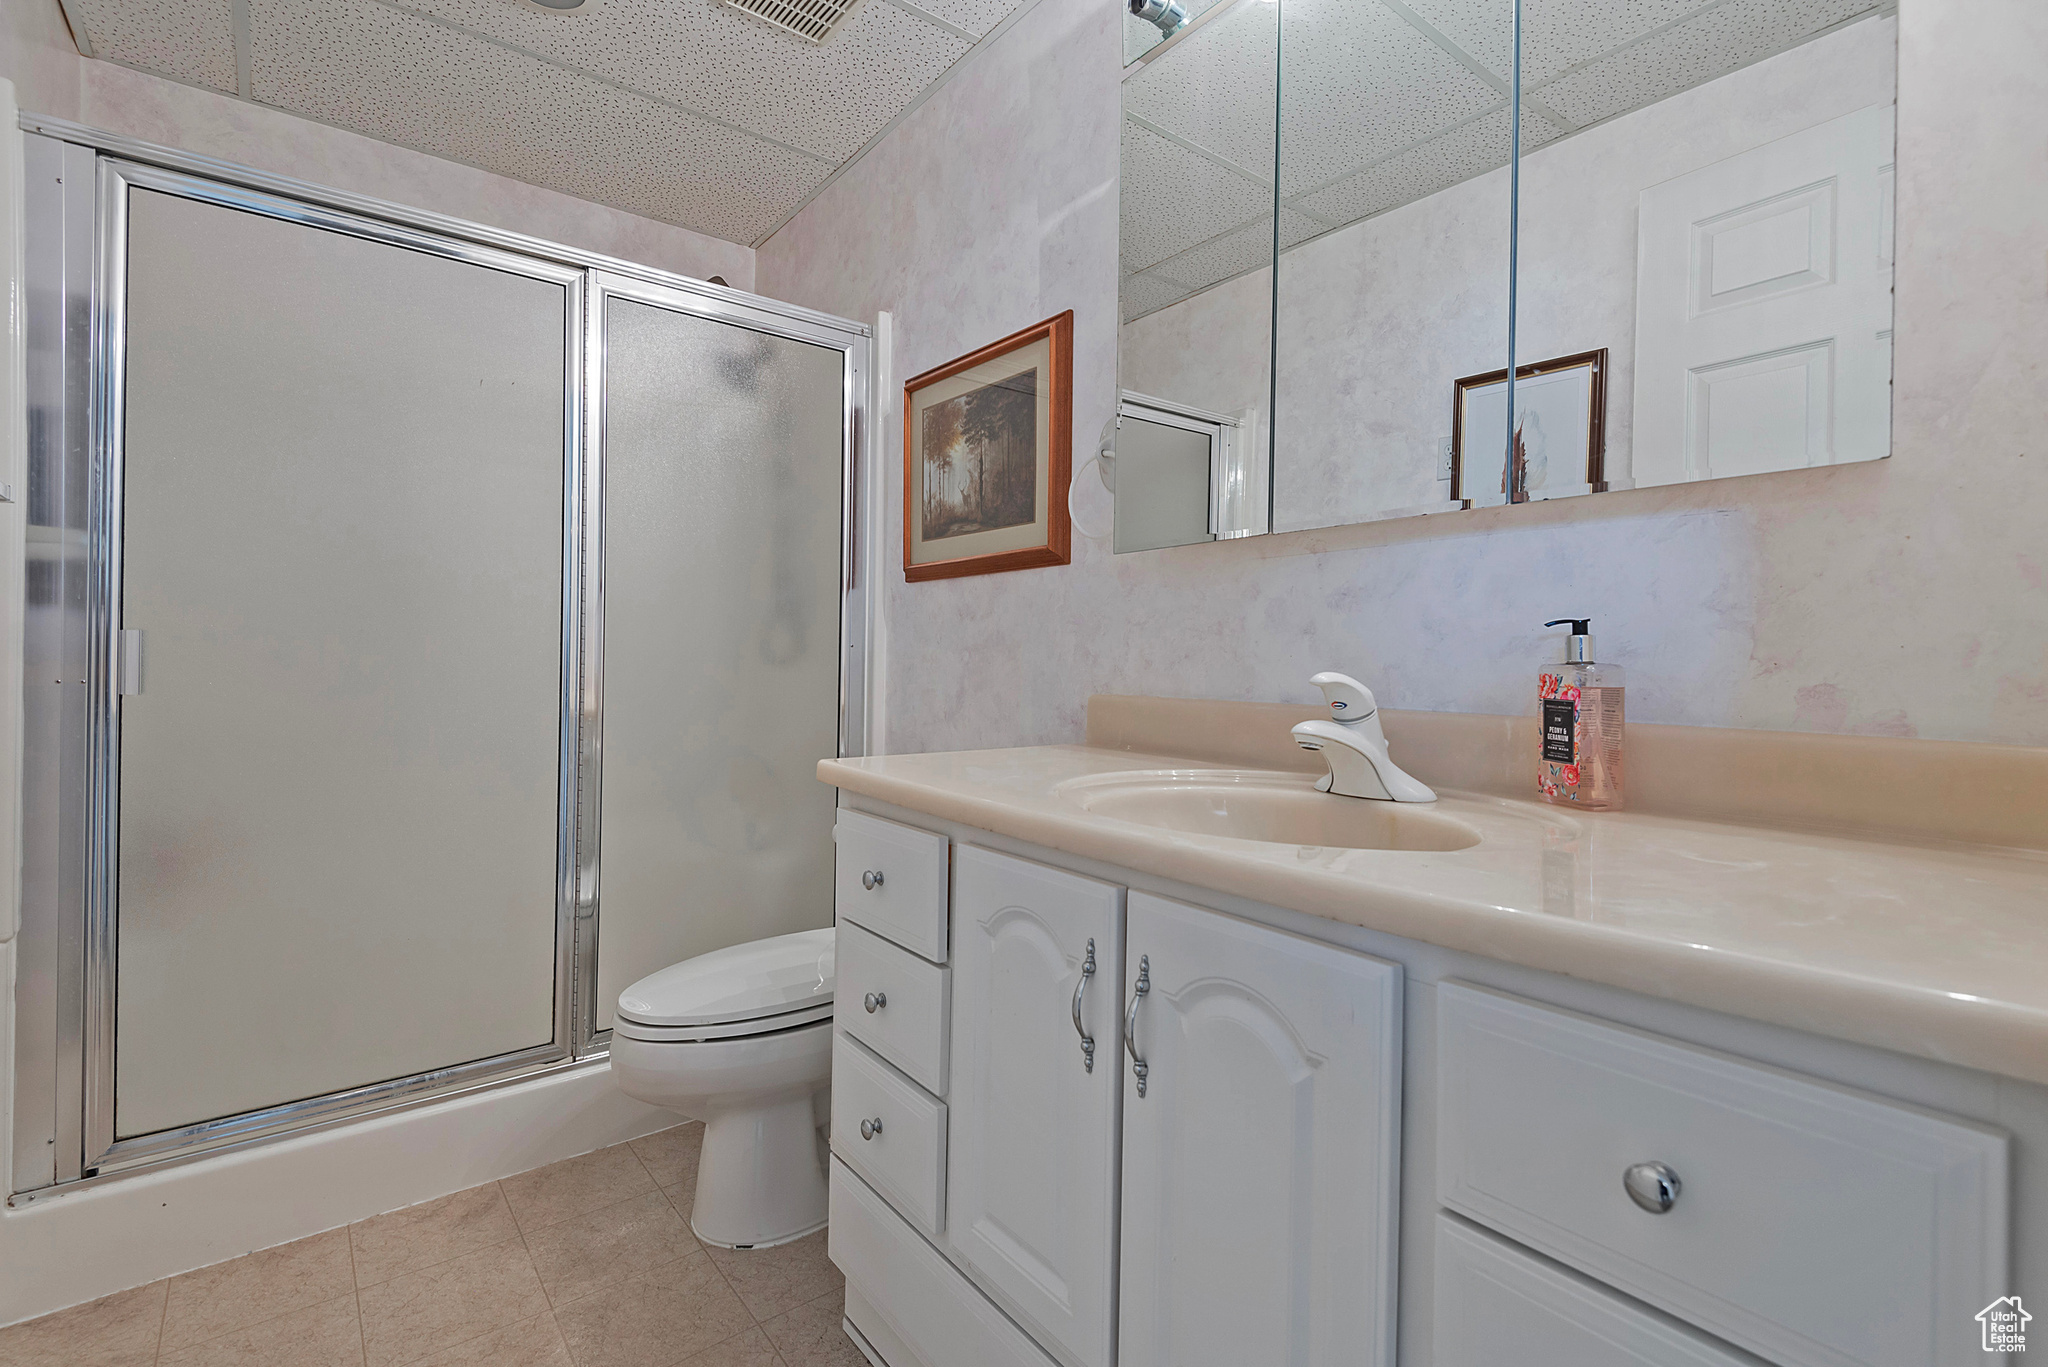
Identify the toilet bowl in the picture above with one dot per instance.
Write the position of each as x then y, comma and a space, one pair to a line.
741, 1039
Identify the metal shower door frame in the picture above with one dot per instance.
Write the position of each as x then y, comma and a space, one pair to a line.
852, 342
62, 1117
103, 1151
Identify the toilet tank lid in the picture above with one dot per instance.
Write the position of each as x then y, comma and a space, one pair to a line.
761, 978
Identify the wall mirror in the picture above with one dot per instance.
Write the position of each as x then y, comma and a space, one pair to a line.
1200, 150
1335, 233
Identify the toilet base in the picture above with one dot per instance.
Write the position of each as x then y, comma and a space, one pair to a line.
759, 1181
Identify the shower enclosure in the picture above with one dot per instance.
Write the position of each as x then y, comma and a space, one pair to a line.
429, 632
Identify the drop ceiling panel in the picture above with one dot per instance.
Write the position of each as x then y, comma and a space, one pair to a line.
1216, 87
1558, 35
407, 80
978, 17
1174, 199
1360, 83
1472, 149
1244, 249
827, 99
1211, 263
1731, 34
1150, 292
685, 111
1483, 30
187, 40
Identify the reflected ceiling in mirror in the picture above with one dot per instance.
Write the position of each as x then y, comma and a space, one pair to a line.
1195, 288
1705, 198
1402, 305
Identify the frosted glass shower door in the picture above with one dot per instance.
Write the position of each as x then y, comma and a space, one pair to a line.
337, 521
722, 458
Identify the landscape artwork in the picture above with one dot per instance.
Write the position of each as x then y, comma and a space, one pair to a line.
987, 456
981, 459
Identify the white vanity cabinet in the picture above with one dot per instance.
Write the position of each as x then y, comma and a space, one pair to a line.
1088, 1125
1261, 1147
1808, 1223
1253, 1180
1032, 1165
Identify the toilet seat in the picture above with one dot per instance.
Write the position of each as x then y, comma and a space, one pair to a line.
761, 988
739, 1029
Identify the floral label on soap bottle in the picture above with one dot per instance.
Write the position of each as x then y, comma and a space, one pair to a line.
1558, 775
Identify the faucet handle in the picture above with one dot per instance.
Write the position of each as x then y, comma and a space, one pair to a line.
1350, 701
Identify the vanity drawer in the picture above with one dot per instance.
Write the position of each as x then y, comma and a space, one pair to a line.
904, 1151
923, 1301
894, 1003
1496, 1303
891, 878
1814, 1225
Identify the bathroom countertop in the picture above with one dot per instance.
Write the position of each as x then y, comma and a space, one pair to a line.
1935, 949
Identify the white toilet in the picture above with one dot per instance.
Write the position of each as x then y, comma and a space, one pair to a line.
741, 1039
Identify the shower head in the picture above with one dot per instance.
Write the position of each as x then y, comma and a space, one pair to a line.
1166, 15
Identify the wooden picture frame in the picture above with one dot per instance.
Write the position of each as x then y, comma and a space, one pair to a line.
1588, 371
972, 501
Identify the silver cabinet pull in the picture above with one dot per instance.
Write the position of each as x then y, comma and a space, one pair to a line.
1144, 985
875, 1001
1087, 1040
870, 1128
1653, 1186
871, 879
130, 664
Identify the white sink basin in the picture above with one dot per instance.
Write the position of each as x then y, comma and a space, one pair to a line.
1279, 809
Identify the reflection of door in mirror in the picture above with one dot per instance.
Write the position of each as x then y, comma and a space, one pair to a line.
1764, 308
1710, 200
1393, 242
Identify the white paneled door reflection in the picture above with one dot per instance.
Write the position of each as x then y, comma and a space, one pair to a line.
1764, 308
721, 453
342, 542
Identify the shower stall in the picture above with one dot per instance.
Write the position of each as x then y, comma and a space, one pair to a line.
429, 632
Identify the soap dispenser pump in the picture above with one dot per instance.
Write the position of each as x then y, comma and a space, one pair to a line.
1579, 725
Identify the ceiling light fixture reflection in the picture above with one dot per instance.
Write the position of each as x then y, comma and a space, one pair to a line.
1168, 16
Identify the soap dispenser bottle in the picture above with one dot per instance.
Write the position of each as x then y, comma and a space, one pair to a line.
1579, 721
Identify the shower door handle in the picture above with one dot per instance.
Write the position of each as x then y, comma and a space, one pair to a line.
128, 663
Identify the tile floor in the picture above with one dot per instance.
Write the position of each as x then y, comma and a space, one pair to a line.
585, 1263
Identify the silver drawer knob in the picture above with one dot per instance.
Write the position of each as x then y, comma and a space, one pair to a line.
875, 1001
1653, 1186
871, 879
870, 1128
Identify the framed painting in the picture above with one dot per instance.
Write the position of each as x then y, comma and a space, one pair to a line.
1560, 432
987, 453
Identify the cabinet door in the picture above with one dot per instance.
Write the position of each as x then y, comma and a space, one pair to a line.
1261, 1160
1032, 1161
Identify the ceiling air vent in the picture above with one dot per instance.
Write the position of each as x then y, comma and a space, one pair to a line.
812, 20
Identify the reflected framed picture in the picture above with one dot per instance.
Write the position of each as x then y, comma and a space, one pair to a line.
1560, 432
987, 453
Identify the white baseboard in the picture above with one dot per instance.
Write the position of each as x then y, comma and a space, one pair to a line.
61, 1250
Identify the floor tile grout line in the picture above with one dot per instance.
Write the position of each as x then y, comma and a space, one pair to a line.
355, 1289
545, 1294
163, 1317
440, 1262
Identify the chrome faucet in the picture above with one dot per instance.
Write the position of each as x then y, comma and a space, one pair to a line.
1353, 744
